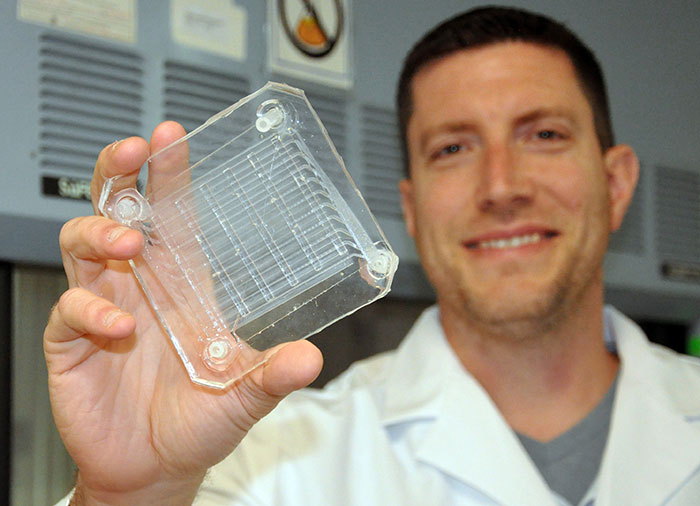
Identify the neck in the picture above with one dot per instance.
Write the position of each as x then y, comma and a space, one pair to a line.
544, 377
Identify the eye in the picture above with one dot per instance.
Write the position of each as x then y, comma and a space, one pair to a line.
447, 150
451, 149
545, 134
549, 135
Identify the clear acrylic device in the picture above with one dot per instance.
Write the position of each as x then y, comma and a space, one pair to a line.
254, 235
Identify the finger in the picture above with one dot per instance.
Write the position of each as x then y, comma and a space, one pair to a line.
167, 170
121, 158
80, 312
88, 242
99, 238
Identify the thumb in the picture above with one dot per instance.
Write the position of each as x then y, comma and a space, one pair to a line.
290, 367
293, 366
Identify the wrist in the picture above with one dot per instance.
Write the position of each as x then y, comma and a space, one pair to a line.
170, 493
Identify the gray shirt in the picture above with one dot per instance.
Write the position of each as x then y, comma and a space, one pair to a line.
570, 462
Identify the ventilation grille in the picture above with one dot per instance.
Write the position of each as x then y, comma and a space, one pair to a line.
194, 94
677, 206
331, 111
629, 238
90, 96
381, 156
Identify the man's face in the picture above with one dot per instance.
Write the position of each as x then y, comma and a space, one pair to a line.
509, 200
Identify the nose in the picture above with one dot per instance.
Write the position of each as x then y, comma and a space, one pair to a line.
504, 185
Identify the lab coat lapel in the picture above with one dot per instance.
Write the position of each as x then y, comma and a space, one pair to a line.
654, 444
467, 438
417, 376
472, 443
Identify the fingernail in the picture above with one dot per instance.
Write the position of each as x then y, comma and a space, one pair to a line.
112, 317
115, 144
116, 233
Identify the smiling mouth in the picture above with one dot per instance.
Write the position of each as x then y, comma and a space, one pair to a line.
515, 241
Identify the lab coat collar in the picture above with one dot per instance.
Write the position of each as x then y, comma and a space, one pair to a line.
654, 443
423, 361
466, 438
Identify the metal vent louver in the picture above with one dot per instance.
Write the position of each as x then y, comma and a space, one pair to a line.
194, 94
90, 96
331, 111
677, 207
629, 238
381, 156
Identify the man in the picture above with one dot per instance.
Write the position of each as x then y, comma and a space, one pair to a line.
518, 388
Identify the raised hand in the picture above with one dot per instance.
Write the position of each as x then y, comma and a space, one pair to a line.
139, 430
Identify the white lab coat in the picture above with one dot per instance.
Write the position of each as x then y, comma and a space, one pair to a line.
653, 452
412, 427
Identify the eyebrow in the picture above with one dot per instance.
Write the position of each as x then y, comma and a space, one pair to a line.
546, 112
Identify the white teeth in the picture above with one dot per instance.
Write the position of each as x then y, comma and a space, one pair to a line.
511, 242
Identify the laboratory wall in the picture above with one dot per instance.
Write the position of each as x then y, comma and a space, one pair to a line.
77, 85
80, 77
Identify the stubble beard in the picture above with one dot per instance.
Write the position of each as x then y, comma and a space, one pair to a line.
526, 316
521, 315
526, 313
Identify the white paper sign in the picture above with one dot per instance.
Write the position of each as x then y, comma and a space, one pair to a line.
217, 26
109, 19
311, 39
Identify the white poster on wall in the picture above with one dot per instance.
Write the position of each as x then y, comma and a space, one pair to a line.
311, 39
216, 26
108, 19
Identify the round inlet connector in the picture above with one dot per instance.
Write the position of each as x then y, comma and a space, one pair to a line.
130, 206
270, 115
218, 354
380, 264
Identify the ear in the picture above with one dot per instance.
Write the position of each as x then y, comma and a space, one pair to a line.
622, 169
407, 205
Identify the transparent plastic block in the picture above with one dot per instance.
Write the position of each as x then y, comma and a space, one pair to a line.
254, 235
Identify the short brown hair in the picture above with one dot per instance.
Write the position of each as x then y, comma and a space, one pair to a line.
491, 25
